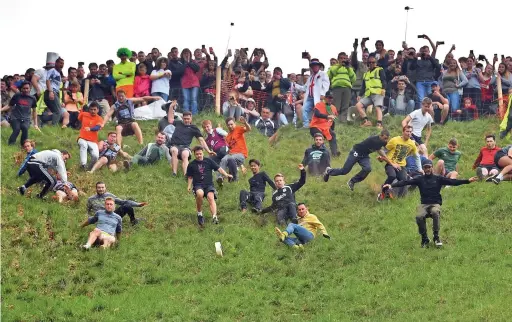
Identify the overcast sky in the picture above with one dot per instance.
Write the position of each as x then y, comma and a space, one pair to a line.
93, 30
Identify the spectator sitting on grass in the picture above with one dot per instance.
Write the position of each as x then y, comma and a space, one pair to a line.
108, 150
231, 107
152, 153
449, 156
266, 126
484, 163
317, 158
305, 230
124, 111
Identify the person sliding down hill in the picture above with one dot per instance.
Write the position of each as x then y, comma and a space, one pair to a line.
257, 183
283, 198
430, 191
305, 230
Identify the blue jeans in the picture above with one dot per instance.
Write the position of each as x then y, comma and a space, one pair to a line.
424, 89
454, 100
164, 96
307, 111
190, 99
303, 235
408, 109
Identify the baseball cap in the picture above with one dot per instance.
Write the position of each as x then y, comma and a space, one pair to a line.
426, 163
434, 84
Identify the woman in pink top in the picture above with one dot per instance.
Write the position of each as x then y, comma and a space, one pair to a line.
189, 82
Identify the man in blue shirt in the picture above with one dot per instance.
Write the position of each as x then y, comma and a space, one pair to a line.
108, 224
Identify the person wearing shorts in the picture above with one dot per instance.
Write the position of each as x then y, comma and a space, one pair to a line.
448, 158
200, 182
124, 111
179, 145
484, 164
374, 83
108, 224
503, 160
420, 119
108, 150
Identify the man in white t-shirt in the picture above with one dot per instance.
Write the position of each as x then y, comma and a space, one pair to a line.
420, 119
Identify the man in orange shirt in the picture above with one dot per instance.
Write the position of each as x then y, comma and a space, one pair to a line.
237, 147
322, 122
88, 137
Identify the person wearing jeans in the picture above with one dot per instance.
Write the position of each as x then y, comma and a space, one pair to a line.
189, 82
22, 106
453, 80
425, 68
305, 231
360, 154
316, 87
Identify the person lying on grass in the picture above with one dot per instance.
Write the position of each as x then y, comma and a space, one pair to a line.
108, 224
305, 231
64, 190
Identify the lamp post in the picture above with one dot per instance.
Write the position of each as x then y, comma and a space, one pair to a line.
406, 20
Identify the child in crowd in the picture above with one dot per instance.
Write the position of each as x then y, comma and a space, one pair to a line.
142, 82
73, 101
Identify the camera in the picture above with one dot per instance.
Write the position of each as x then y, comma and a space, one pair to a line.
481, 57
366, 39
304, 70
305, 54
245, 49
346, 63
356, 42
440, 42
421, 36
81, 64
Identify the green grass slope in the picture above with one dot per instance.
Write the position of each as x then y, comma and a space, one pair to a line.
166, 268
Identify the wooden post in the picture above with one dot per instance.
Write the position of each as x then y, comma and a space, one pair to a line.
86, 91
500, 97
218, 89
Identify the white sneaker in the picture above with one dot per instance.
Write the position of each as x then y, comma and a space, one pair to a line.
438, 242
86, 247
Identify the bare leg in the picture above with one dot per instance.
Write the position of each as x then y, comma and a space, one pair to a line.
65, 119
174, 161
138, 132
119, 130
213, 204
439, 168
60, 195
112, 167
298, 111
360, 110
453, 175
93, 236
101, 162
378, 111
199, 199
184, 160
444, 113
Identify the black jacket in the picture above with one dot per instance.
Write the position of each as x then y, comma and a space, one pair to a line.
177, 69
286, 195
430, 187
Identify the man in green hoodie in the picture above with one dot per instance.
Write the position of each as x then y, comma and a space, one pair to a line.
342, 76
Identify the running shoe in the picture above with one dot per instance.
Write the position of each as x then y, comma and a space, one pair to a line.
326, 174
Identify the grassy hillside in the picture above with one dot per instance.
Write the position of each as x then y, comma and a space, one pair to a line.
166, 268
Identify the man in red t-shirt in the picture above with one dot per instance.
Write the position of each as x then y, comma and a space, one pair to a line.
484, 163
237, 148
88, 137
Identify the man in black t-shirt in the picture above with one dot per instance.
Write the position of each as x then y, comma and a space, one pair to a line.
317, 158
257, 184
181, 139
439, 103
200, 182
22, 105
360, 154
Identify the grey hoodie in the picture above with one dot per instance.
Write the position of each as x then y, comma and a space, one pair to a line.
53, 159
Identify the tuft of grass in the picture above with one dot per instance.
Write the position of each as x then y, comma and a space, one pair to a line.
166, 269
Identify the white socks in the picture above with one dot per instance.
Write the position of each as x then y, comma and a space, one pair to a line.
200, 214
500, 176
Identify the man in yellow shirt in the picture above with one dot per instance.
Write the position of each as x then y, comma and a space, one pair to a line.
124, 72
399, 148
305, 230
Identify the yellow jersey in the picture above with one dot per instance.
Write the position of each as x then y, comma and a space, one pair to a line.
399, 149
